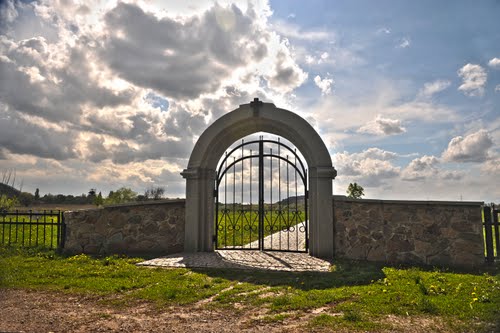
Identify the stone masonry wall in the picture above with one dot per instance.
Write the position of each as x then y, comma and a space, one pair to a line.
150, 228
415, 232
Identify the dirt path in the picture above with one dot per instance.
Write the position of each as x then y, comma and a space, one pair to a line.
30, 311
44, 312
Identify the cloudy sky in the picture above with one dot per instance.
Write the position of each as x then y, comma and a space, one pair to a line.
406, 94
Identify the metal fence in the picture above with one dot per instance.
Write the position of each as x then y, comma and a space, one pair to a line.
44, 229
491, 233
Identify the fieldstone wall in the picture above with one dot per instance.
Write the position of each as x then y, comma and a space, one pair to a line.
409, 232
149, 228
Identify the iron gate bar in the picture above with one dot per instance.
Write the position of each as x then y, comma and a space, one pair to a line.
278, 142
261, 193
271, 193
296, 207
233, 225
279, 196
289, 227
223, 171
242, 185
236, 161
251, 221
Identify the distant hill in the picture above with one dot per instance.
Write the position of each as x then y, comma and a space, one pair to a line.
291, 200
9, 191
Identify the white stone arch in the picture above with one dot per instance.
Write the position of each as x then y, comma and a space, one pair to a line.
248, 119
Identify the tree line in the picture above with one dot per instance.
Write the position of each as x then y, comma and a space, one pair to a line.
11, 197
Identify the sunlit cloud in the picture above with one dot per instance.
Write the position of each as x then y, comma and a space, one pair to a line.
473, 80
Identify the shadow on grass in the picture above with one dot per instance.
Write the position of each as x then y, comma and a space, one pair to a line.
344, 273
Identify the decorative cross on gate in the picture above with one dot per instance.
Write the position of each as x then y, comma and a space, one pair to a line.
255, 105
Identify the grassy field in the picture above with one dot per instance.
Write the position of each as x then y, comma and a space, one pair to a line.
62, 207
354, 296
239, 226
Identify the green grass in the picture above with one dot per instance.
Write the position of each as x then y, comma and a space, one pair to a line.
47, 270
355, 296
239, 226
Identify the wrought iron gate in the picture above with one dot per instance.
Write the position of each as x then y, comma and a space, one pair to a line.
44, 229
258, 206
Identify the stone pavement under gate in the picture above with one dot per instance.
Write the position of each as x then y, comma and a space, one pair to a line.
243, 259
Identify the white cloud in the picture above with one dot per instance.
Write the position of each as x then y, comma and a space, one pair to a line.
376, 153
431, 88
325, 85
203, 51
334, 55
492, 167
285, 75
291, 30
423, 163
8, 12
497, 88
322, 58
22, 136
371, 167
426, 169
382, 126
420, 168
384, 30
370, 153
473, 80
404, 43
471, 148
494, 63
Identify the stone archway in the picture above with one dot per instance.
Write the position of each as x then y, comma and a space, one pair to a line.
248, 119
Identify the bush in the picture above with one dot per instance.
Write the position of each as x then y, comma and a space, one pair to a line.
121, 195
7, 203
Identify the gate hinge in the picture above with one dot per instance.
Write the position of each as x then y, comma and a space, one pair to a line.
214, 238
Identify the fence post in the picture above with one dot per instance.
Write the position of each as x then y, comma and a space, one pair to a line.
497, 232
62, 230
488, 235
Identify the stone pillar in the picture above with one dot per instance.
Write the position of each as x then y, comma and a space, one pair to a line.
200, 185
321, 226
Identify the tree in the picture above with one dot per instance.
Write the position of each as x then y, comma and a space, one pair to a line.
26, 199
98, 201
37, 194
154, 193
355, 191
121, 195
91, 196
